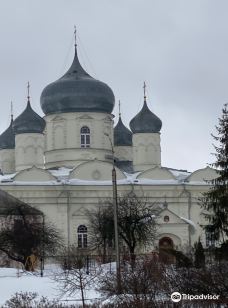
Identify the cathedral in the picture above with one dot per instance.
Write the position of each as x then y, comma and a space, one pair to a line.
62, 163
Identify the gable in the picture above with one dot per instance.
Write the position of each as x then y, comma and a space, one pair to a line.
173, 218
156, 174
203, 175
34, 174
95, 171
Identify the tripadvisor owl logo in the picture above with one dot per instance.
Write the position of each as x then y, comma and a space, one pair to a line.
175, 297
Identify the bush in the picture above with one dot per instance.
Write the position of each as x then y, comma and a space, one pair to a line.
141, 285
30, 300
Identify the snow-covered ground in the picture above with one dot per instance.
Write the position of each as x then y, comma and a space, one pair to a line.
13, 280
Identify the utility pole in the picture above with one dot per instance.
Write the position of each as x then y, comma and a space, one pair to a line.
115, 210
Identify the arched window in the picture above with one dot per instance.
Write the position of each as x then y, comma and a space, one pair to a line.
82, 236
85, 137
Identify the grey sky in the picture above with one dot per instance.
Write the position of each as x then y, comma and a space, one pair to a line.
178, 47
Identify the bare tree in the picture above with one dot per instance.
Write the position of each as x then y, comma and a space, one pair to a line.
136, 223
75, 277
142, 286
24, 233
101, 230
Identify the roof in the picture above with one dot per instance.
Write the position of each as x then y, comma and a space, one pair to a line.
77, 91
126, 166
28, 122
7, 138
145, 121
9, 205
122, 135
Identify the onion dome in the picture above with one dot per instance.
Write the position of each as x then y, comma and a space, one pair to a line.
7, 138
122, 135
145, 121
28, 122
77, 91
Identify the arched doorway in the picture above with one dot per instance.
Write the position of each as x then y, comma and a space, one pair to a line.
165, 247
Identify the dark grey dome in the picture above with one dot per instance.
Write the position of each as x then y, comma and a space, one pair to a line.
77, 91
145, 121
28, 122
7, 138
122, 135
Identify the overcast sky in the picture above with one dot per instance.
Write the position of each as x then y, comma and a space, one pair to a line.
179, 48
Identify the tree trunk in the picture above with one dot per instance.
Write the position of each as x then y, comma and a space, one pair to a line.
82, 290
104, 252
132, 257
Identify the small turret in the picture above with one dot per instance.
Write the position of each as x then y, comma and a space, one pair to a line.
29, 139
122, 141
7, 149
146, 128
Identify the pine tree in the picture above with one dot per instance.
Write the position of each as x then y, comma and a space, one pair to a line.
215, 201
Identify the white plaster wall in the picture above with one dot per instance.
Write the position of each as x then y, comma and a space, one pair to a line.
124, 152
66, 205
146, 151
29, 151
7, 160
62, 138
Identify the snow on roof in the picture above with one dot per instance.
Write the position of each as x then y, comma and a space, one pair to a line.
60, 172
7, 177
180, 175
62, 177
190, 222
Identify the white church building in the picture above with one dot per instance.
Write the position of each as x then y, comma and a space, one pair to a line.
61, 163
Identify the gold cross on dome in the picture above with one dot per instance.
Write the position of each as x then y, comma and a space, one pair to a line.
119, 109
144, 90
28, 90
75, 36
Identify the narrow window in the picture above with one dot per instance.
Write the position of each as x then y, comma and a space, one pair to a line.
166, 218
85, 137
82, 236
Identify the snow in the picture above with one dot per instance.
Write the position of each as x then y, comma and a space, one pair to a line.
61, 172
62, 178
7, 177
155, 182
37, 183
13, 280
11, 283
180, 175
190, 222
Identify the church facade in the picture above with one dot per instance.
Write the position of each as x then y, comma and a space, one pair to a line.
62, 163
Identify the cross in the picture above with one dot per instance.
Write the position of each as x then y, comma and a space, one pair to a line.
11, 109
119, 109
144, 90
75, 37
28, 88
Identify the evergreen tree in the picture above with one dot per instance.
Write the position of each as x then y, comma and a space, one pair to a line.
215, 201
199, 255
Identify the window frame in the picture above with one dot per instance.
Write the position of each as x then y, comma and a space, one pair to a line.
85, 138
82, 236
